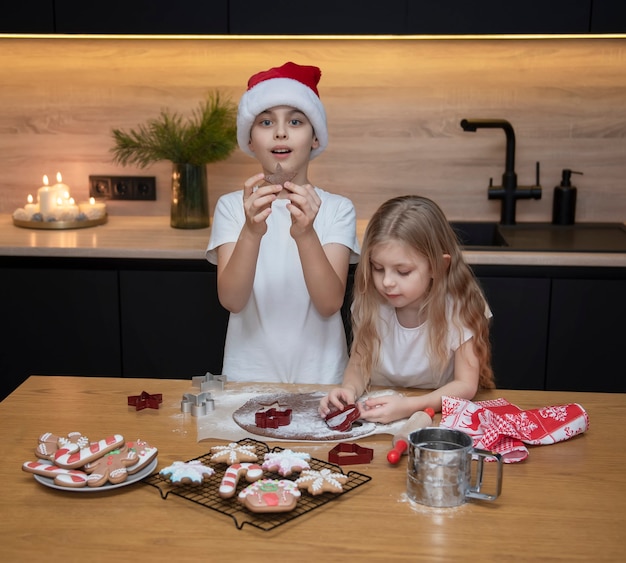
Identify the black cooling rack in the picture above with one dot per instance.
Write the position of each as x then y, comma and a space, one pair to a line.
207, 495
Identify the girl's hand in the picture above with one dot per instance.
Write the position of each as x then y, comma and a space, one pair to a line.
304, 206
336, 399
257, 203
385, 408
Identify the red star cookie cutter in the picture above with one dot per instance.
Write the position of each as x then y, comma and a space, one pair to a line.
342, 420
272, 418
350, 454
145, 401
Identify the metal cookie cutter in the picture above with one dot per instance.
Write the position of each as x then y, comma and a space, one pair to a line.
342, 420
145, 401
209, 382
350, 454
197, 405
272, 418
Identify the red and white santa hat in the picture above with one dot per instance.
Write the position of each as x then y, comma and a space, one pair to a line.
288, 85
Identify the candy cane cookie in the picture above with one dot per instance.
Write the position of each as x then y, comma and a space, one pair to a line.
71, 460
61, 476
252, 471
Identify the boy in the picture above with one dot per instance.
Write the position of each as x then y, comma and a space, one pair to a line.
282, 246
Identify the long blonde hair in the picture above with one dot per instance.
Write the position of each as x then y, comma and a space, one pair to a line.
420, 223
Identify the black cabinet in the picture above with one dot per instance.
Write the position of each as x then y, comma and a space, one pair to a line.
608, 16
172, 325
32, 16
587, 335
496, 17
554, 328
324, 17
142, 17
519, 330
58, 321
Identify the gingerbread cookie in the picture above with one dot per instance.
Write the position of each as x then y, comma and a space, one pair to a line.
72, 479
187, 472
60, 476
324, 481
233, 453
252, 471
68, 458
286, 462
279, 177
270, 495
143, 453
49, 444
112, 467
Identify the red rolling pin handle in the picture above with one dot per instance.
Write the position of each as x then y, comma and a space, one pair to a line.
395, 454
418, 420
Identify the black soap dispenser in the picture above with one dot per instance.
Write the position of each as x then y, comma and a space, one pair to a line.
564, 203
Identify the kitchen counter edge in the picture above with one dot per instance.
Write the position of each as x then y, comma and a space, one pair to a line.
151, 237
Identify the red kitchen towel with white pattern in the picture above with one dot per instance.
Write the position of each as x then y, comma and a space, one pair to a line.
504, 428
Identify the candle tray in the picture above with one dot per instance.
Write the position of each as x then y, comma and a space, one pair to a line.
206, 494
60, 225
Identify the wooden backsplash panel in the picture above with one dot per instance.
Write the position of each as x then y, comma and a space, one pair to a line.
393, 106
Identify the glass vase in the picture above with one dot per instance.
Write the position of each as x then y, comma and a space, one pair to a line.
190, 197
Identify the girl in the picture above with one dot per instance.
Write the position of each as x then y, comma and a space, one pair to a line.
420, 318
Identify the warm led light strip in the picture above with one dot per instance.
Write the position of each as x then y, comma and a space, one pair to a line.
316, 37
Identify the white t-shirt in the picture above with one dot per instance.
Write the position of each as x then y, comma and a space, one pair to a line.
279, 336
404, 360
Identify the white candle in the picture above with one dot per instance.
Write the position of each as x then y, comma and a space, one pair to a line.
62, 190
67, 210
31, 208
46, 197
93, 209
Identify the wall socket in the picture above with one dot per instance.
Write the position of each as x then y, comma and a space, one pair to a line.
142, 188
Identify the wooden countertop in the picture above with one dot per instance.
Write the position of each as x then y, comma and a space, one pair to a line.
146, 237
565, 502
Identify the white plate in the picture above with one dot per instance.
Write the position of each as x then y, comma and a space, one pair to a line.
48, 482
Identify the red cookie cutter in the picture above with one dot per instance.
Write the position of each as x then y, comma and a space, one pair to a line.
272, 418
352, 454
342, 420
145, 401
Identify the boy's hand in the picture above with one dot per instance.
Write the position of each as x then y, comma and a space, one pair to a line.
305, 204
257, 202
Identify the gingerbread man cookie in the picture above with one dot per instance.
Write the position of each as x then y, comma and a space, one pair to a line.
111, 467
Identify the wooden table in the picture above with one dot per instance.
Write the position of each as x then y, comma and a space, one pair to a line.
565, 502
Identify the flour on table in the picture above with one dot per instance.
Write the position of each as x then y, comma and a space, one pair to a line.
219, 424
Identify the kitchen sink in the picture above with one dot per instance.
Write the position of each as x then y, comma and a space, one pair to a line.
477, 233
542, 237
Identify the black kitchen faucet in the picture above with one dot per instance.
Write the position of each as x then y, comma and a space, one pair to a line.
509, 192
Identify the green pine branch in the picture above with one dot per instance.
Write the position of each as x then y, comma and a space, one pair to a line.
209, 135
